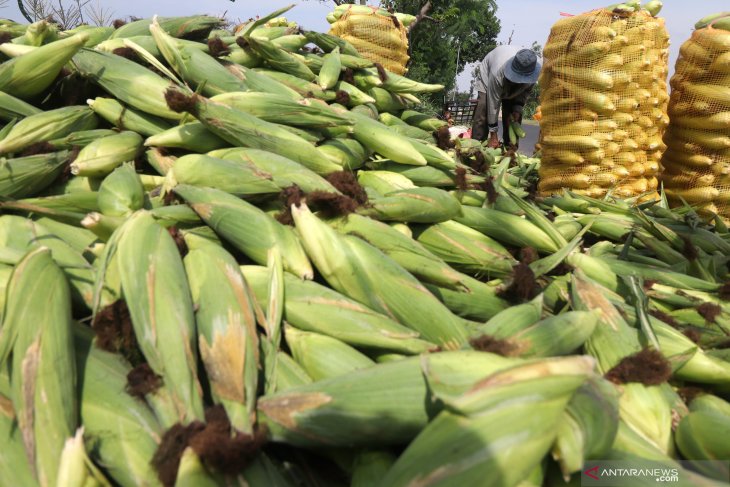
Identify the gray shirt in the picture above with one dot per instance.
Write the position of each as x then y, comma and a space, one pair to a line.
490, 80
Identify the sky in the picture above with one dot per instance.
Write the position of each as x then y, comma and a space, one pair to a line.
529, 19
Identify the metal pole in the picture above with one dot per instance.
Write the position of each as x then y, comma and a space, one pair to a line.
456, 71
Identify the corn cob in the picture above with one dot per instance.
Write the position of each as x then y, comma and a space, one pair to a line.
46, 126
329, 73
246, 227
340, 359
282, 109
40, 340
696, 439
284, 172
328, 42
417, 205
103, 155
410, 254
131, 83
399, 403
121, 193
30, 74
80, 139
298, 85
161, 301
237, 178
11, 107
226, 326
25, 176
280, 59
376, 137
192, 136
334, 255
467, 249
479, 421
125, 118
240, 128
14, 466
348, 153
175, 26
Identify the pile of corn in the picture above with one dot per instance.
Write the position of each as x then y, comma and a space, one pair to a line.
604, 102
376, 33
697, 160
218, 275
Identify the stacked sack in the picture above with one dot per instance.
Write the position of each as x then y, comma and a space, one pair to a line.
604, 98
697, 160
377, 34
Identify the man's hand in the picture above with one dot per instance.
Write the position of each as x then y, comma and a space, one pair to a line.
493, 140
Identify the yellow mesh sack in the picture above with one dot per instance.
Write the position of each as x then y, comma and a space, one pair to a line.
380, 38
603, 104
697, 159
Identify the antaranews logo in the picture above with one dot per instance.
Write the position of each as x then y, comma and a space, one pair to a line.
592, 472
630, 473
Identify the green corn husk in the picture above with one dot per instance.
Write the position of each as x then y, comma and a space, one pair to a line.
27, 176
410, 254
588, 427
391, 290
469, 443
262, 82
422, 121
23, 235
284, 172
14, 466
513, 319
507, 228
708, 402
282, 109
382, 405
385, 101
156, 291
194, 66
135, 85
324, 357
79, 239
192, 136
103, 155
644, 408
663, 276
31, 74
37, 33
348, 153
379, 183
36, 329
76, 469
146, 42
243, 56
236, 178
226, 325
700, 436
400, 84
466, 249
101, 225
12, 107
247, 228
96, 34
378, 138
81, 138
304, 88
412, 132
331, 68
198, 25
241, 129
46, 126
192, 473
328, 43
555, 335
420, 175
480, 301
307, 304
355, 96
125, 118
288, 373
417, 205
159, 160
280, 59
121, 193
291, 43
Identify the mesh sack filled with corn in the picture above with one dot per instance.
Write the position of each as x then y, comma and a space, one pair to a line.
604, 98
376, 33
697, 160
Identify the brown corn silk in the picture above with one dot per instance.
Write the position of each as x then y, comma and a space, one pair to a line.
604, 104
380, 38
697, 160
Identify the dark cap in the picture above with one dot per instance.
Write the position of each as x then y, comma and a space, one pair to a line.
524, 68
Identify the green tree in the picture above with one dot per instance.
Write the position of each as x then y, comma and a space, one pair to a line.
453, 30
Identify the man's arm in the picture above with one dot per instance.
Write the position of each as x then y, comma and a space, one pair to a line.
521, 99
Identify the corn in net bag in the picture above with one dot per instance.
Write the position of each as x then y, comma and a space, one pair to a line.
603, 103
697, 160
376, 34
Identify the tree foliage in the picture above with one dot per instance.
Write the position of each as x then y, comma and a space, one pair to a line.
466, 27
